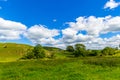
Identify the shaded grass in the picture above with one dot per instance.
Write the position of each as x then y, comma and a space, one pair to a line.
60, 69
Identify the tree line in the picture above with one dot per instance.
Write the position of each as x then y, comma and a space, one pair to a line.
78, 50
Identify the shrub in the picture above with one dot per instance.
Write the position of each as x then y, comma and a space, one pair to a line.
70, 49
39, 51
35, 53
30, 55
95, 53
108, 51
80, 50
52, 55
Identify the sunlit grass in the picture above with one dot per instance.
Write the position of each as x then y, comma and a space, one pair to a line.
61, 69
12, 52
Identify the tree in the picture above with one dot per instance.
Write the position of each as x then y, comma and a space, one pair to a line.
70, 49
108, 51
80, 50
30, 55
95, 53
78, 46
39, 51
35, 53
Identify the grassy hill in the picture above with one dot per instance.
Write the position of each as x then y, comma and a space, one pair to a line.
58, 53
12, 51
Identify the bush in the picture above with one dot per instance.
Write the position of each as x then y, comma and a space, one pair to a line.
95, 53
39, 51
35, 53
52, 55
80, 50
70, 49
108, 51
30, 55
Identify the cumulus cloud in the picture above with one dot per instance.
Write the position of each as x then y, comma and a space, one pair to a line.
111, 4
11, 30
42, 35
85, 30
94, 27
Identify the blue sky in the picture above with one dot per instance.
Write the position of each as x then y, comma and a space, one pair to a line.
60, 22
44, 11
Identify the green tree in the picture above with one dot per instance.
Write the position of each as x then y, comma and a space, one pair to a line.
35, 53
80, 50
30, 55
108, 51
70, 49
95, 53
39, 51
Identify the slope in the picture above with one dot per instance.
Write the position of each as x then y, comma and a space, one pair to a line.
12, 51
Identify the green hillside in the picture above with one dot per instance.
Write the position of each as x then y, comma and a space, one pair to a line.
58, 53
12, 51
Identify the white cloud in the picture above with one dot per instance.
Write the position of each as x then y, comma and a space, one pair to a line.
54, 20
113, 24
94, 27
111, 4
10, 30
42, 35
113, 41
86, 30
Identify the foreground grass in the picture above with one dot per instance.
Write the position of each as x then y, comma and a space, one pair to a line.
62, 69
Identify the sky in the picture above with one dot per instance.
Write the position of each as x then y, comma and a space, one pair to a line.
59, 23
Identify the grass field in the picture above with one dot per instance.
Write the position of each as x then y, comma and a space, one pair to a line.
62, 69
12, 51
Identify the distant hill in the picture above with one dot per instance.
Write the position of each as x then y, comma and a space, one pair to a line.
52, 48
12, 51
59, 53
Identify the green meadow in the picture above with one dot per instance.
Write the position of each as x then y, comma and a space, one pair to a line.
61, 67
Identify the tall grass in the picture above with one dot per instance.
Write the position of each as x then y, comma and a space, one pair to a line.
103, 61
61, 69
